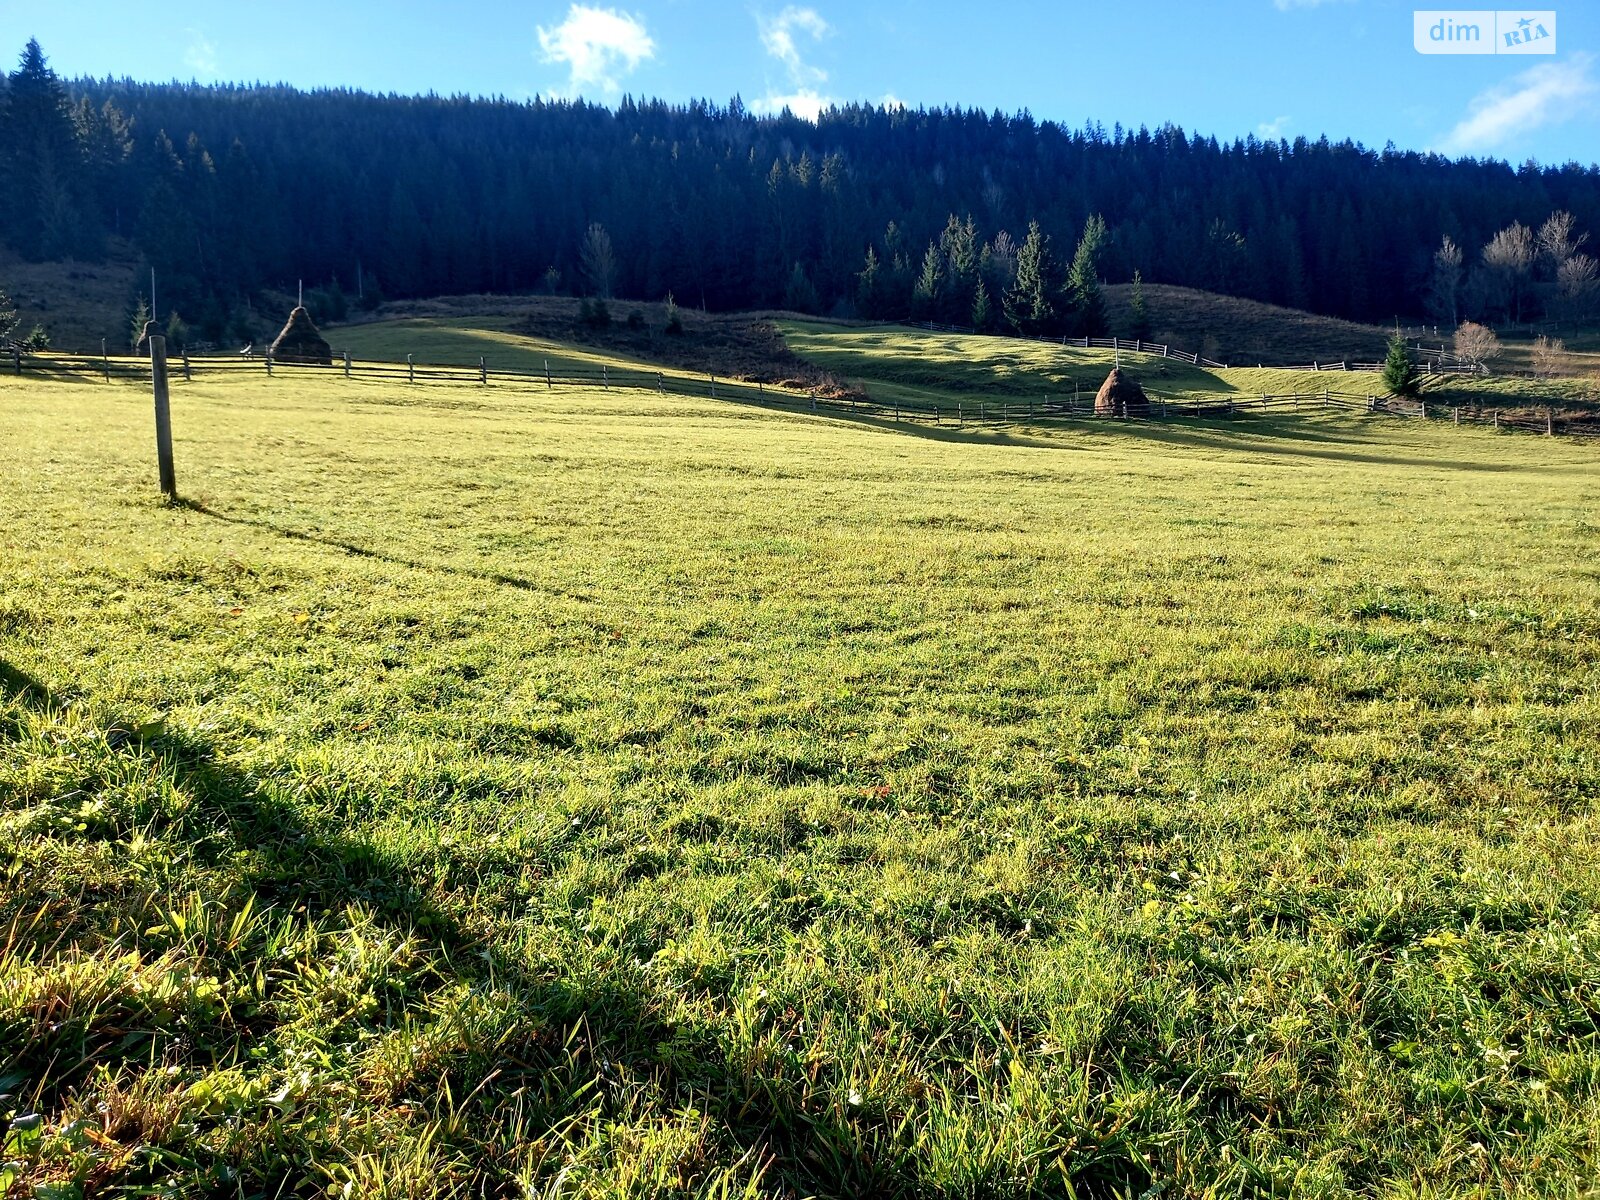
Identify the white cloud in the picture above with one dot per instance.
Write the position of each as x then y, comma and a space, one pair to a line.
201, 55
890, 100
805, 103
1546, 95
779, 38
598, 46
1273, 130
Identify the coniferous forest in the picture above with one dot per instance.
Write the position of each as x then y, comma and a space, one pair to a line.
945, 214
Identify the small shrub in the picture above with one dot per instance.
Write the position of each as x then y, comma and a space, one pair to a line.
636, 320
37, 339
674, 319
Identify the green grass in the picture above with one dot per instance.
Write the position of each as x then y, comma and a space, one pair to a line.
916, 367
491, 791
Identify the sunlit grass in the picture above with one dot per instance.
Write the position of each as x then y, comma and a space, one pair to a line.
600, 794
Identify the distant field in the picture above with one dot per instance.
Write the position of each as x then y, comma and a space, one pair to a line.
473, 792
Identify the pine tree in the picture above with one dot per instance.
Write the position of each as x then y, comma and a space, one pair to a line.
800, 295
41, 144
1399, 370
926, 292
869, 288
137, 320
1083, 281
1139, 314
982, 309
1027, 303
8, 316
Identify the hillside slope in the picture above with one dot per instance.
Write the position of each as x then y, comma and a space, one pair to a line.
1233, 330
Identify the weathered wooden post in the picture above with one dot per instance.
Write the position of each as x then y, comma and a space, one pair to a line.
661, 383
158, 383
1549, 422
1497, 419
483, 371
411, 369
188, 375
16, 358
547, 382
105, 360
267, 358
1455, 415
605, 377
347, 364
713, 387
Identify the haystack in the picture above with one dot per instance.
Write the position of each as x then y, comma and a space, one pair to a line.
300, 342
1121, 396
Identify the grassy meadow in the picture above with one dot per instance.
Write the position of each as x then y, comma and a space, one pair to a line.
497, 792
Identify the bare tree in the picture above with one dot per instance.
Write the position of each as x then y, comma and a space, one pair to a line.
1578, 286
1444, 286
1559, 240
599, 262
1477, 343
1508, 260
1549, 356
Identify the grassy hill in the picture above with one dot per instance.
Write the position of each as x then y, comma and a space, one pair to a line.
494, 791
1234, 330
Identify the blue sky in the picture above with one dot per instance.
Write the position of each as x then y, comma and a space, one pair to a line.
1269, 67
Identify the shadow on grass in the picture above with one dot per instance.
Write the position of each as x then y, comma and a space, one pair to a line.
1243, 434
296, 535
288, 861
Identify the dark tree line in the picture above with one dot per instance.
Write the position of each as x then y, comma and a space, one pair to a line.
229, 189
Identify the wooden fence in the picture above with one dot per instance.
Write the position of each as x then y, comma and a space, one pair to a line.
1431, 361
957, 413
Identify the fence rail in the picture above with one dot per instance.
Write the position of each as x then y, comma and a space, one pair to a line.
959, 413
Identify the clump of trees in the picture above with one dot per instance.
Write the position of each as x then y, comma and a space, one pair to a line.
1520, 274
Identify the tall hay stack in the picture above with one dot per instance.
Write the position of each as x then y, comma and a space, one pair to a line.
1121, 396
301, 342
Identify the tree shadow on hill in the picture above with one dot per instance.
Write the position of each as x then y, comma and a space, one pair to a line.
297, 535
1241, 435
238, 822
1294, 440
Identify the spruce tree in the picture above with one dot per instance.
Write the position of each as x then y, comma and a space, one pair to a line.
926, 292
1083, 281
1139, 314
1027, 303
982, 309
8, 316
1399, 370
869, 288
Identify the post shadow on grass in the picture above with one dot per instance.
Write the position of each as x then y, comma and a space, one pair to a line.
395, 560
292, 862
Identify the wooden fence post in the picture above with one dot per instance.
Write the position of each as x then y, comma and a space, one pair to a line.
713, 387
188, 375
411, 369
1455, 415
347, 364
1549, 423
16, 358
158, 384
661, 383
1497, 419
605, 377
268, 358
105, 360
483, 371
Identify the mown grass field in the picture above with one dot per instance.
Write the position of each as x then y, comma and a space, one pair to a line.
492, 791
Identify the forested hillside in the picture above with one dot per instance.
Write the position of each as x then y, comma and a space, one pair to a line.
872, 211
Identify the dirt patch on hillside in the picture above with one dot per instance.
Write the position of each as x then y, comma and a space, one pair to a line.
742, 346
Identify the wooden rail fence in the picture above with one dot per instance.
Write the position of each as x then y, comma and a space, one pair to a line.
957, 413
